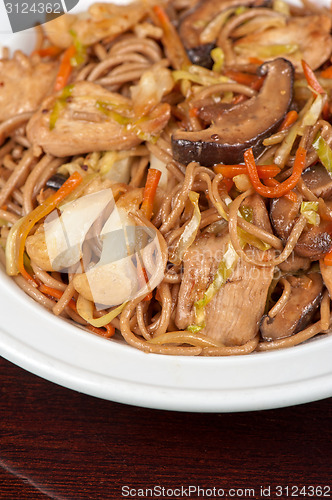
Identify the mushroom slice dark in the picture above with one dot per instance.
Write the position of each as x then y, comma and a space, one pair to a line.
314, 242
283, 214
294, 263
318, 180
193, 23
56, 181
245, 125
201, 55
305, 296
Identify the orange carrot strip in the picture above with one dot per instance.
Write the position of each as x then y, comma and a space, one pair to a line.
41, 211
282, 188
326, 73
255, 60
57, 294
290, 118
252, 81
193, 112
312, 79
65, 69
173, 44
110, 330
149, 295
226, 184
230, 171
150, 189
51, 51
291, 196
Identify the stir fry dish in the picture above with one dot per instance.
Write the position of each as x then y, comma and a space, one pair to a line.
166, 173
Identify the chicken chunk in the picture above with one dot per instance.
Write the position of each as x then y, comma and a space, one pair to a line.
105, 20
23, 85
305, 38
92, 119
233, 315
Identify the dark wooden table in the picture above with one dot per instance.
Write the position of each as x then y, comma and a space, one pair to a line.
57, 443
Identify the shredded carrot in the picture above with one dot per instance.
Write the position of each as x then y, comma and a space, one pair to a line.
157, 296
328, 258
255, 60
312, 79
38, 213
52, 51
226, 184
253, 81
239, 98
290, 118
230, 171
291, 196
150, 189
57, 294
193, 112
173, 44
106, 331
282, 188
149, 295
326, 73
65, 69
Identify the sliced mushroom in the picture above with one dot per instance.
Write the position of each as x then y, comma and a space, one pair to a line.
201, 55
283, 214
318, 180
245, 125
305, 297
295, 263
194, 22
314, 242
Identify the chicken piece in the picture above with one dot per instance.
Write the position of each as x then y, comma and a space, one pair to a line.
233, 315
92, 119
23, 85
200, 266
109, 21
307, 38
104, 20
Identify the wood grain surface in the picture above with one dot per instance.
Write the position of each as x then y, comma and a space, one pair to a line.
57, 443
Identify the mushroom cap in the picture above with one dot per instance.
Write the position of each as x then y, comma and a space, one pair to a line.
305, 297
243, 126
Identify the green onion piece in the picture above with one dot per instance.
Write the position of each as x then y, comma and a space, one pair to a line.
314, 112
59, 105
309, 209
324, 152
218, 58
250, 239
85, 309
198, 75
225, 270
265, 51
190, 231
195, 328
104, 107
247, 213
80, 55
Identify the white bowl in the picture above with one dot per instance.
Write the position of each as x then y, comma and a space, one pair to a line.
50, 347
